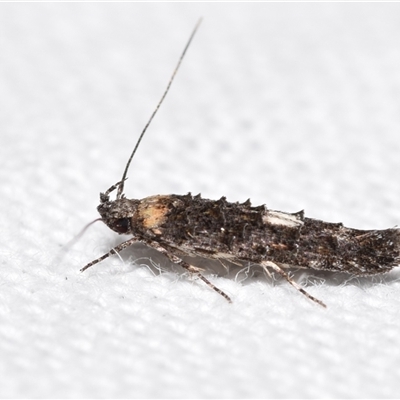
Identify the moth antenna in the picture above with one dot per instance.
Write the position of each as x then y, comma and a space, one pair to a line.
121, 185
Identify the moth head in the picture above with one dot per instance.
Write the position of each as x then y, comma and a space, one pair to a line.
117, 214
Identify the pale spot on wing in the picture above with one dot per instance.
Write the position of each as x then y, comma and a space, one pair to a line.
282, 218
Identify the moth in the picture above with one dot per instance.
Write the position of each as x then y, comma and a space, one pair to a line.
186, 225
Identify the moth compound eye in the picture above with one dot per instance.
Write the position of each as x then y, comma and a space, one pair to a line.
122, 225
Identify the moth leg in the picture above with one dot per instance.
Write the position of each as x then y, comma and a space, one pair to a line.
114, 250
194, 270
280, 271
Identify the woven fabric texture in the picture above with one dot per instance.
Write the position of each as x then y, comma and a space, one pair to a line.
293, 105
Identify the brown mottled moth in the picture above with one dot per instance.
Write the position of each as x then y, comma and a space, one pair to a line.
186, 225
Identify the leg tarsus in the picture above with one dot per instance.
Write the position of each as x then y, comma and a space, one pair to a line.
192, 269
280, 271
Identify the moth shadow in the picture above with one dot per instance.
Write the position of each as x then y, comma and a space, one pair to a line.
246, 273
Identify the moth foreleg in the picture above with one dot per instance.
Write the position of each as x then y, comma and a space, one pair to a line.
114, 250
194, 270
280, 271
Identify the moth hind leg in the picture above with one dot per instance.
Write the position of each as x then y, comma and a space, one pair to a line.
280, 271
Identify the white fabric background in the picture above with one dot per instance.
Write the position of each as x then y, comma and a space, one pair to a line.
293, 105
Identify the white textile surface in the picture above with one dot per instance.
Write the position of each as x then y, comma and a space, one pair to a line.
293, 105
